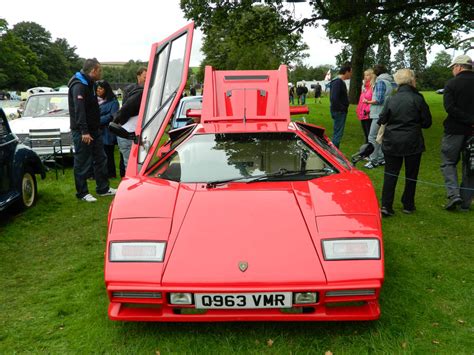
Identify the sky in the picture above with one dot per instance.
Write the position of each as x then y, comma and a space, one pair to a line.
120, 30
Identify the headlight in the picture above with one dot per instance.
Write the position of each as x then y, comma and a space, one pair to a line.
351, 249
137, 251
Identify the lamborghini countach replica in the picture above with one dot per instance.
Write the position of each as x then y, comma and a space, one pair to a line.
244, 215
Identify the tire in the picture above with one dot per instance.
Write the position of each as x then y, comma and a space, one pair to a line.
29, 191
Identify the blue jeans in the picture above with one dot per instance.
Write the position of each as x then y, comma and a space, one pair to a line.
339, 119
86, 155
125, 146
377, 156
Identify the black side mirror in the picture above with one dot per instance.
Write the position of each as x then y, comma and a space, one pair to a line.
364, 151
118, 130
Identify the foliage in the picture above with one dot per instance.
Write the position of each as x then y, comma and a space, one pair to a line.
120, 75
383, 52
53, 298
30, 57
399, 60
361, 24
18, 64
303, 72
239, 35
436, 75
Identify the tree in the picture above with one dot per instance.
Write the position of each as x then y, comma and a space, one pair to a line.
240, 35
362, 23
399, 61
384, 52
18, 64
436, 75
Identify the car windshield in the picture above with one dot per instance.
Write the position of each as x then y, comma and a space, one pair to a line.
215, 158
47, 105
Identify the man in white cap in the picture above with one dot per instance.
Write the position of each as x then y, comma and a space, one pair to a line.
458, 131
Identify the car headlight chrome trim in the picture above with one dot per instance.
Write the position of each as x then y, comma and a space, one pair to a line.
137, 251
351, 249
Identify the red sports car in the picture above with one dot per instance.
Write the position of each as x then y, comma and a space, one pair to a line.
241, 216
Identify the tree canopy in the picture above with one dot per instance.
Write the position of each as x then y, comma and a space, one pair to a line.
240, 35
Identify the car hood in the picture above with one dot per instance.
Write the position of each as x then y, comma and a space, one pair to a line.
275, 228
261, 228
24, 124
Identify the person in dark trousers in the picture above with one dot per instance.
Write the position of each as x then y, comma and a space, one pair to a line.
108, 105
192, 91
404, 114
299, 94
339, 102
317, 93
291, 93
84, 116
458, 128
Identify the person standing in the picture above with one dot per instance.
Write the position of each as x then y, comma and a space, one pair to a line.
363, 108
130, 89
458, 99
291, 93
404, 114
84, 116
141, 78
108, 105
317, 93
384, 88
127, 116
304, 93
339, 102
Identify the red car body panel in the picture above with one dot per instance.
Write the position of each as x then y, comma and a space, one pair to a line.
274, 230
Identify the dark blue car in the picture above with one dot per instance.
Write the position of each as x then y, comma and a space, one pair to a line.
18, 166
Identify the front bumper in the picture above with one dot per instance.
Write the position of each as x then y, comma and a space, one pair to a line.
327, 308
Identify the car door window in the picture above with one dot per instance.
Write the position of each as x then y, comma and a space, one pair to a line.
165, 82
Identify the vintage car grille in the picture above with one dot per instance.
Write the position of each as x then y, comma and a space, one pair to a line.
66, 140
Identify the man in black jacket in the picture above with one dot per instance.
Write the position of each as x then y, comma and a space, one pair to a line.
339, 102
458, 128
84, 114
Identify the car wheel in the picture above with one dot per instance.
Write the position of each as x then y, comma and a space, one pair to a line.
28, 189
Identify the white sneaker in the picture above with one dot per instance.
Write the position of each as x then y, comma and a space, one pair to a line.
89, 198
110, 192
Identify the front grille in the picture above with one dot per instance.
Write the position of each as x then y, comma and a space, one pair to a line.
122, 294
350, 293
66, 140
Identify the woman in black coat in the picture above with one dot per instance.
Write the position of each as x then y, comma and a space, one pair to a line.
404, 115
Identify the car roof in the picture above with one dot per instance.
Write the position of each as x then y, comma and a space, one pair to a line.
55, 93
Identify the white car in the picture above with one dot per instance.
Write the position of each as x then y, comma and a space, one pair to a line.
45, 111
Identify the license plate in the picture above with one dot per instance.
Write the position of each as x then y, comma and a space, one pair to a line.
243, 300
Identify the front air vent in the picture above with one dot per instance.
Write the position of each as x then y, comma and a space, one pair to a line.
350, 293
122, 294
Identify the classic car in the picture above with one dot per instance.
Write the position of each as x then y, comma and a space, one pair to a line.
245, 215
45, 111
18, 166
180, 118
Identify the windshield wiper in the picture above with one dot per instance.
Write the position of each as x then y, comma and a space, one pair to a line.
52, 111
285, 172
212, 184
279, 173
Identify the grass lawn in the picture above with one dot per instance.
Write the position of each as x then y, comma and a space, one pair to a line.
53, 300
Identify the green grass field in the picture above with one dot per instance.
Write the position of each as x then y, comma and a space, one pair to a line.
53, 300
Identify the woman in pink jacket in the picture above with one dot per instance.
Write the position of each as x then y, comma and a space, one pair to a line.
363, 108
